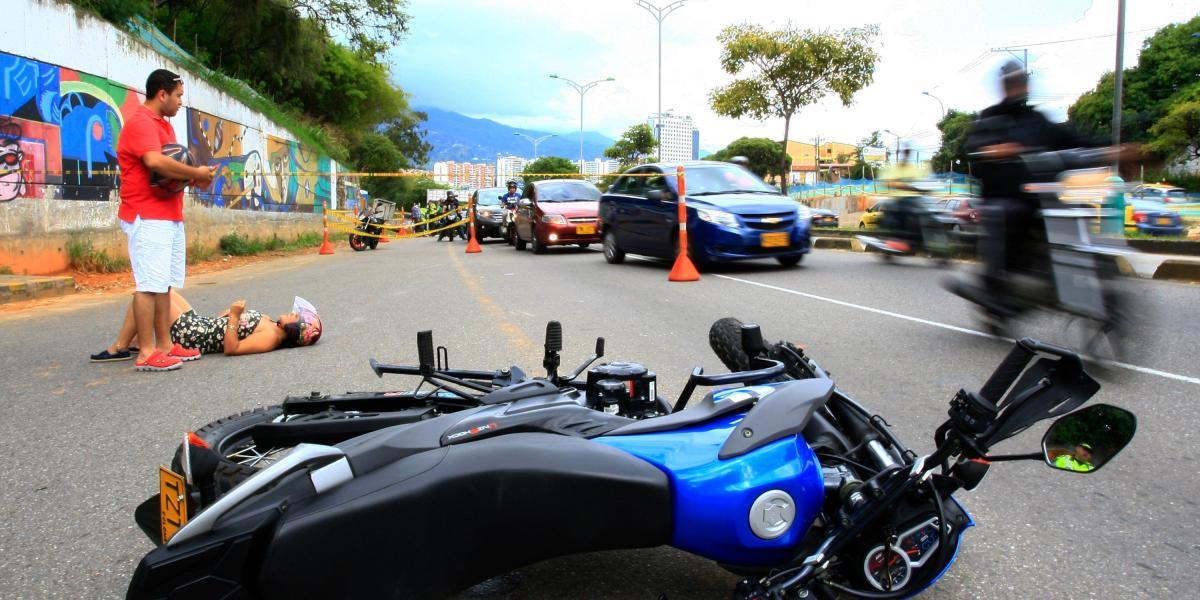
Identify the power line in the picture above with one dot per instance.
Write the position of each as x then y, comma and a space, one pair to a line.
1094, 37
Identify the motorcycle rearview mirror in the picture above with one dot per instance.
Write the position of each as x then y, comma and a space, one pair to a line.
1087, 439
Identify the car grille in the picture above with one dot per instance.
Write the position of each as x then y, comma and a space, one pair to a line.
769, 222
581, 220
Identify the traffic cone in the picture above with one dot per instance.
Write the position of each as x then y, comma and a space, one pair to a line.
472, 243
683, 270
326, 247
383, 238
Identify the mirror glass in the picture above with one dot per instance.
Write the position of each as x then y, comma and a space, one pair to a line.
525, 202
1085, 440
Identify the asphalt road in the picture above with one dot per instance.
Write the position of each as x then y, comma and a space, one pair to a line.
80, 443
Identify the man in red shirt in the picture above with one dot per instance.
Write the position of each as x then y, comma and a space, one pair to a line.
152, 218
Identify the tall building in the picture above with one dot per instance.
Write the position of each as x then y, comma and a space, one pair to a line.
676, 135
695, 144
600, 166
509, 167
468, 175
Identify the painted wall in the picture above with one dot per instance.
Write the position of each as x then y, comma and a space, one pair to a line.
67, 80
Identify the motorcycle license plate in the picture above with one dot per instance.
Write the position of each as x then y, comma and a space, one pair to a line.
585, 229
774, 240
1164, 220
172, 502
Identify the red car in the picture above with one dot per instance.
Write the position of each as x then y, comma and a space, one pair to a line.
556, 212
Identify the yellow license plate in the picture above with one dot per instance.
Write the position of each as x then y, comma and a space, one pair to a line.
1164, 220
774, 240
585, 229
172, 502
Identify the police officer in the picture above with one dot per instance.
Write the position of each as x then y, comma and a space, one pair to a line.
1080, 461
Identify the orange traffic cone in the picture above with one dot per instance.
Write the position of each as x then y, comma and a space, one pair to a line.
326, 247
472, 243
683, 270
383, 238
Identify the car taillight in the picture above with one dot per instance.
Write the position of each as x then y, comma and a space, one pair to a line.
1139, 217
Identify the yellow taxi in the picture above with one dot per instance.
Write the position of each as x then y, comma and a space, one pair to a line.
873, 214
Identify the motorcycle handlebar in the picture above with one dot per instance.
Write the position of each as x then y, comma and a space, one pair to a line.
1008, 371
380, 369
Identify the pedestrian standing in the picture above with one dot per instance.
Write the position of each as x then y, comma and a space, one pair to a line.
152, 218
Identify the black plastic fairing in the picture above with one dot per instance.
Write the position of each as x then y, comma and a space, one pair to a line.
692, 415
784, 412
475, 511
562, 414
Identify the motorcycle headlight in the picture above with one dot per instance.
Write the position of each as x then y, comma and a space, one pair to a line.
555, 219
717, 217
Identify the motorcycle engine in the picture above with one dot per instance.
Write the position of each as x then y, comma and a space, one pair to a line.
623, 388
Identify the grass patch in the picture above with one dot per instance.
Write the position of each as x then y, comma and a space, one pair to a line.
236, 244
6, 270
86, 258
198, 253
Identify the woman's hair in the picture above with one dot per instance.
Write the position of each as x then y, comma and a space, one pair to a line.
304, 332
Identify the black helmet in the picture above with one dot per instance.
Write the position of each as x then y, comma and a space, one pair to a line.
511, 183
1013, 71
450, 194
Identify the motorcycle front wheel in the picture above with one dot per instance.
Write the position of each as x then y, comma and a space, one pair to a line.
358, 243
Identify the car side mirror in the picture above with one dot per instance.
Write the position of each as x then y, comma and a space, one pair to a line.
659, 195
524, 202
1085, 440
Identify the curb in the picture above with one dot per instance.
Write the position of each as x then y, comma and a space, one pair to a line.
19, 287
1178, 270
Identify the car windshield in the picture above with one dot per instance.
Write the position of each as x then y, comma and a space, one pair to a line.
1176, 194
567, 191
723, 179
490, 196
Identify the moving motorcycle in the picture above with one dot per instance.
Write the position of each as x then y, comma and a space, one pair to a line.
452, 225
1069, 273
370, 225
783, 479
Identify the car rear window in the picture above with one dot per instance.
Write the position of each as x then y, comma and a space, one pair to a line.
567, 191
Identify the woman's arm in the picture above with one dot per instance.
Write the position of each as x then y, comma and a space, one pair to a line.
263, 340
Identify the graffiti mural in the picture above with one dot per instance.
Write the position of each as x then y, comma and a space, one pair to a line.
295, 176
68, 122
238, 182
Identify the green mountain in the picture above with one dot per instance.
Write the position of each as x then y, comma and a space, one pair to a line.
461, 138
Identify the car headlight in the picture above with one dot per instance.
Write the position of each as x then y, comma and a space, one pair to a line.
487, 214
718, 217
555, 219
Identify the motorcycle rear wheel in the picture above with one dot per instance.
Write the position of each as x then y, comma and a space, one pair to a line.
358, 243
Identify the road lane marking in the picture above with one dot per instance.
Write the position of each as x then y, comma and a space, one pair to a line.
888, 313
516, 336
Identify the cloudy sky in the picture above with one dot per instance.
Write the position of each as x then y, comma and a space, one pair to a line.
492, 58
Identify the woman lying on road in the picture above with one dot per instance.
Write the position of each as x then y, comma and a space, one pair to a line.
193, 334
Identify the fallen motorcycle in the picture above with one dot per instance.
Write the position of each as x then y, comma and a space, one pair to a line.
783, 479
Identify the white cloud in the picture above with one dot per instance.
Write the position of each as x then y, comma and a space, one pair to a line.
924, 47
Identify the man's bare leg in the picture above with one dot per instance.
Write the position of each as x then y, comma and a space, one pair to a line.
128, 334
144, 304
162, 321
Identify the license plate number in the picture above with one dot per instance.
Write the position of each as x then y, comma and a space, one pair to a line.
774, 240
585, 229
172, 502
1164, 220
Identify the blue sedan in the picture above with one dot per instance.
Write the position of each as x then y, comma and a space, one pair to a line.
1154, 218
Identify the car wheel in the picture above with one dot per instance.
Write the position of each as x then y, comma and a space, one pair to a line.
535, 244
790, 260
612, 253
518, 242
583, 245
510, 235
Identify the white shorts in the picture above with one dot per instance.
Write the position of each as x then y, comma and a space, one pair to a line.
157, 252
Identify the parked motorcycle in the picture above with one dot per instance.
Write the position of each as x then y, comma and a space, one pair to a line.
370, 225
784, 480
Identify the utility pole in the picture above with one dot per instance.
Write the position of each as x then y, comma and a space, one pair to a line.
816, 159
1024, 58
660, 14
1119, 81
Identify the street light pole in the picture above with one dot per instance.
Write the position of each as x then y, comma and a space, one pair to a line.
582, 89
660, 14
536, 141
1118, 82
890, 132
939, 101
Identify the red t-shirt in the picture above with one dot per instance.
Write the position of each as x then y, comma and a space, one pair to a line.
144, 131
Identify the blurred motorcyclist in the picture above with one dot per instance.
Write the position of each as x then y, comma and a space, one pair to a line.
510, 198
902, 216
1002, 133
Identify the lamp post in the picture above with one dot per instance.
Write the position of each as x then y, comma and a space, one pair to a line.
535, 141
939, 101
582, 89
660, 14
890, 132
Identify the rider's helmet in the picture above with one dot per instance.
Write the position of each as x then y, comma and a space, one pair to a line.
1014, 80
512, 184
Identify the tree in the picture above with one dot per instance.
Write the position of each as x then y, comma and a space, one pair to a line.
634, 147
790, 69
549, 164
955, 128
404, 130
1177, 135
765, 156
377, 154
372, 26
861, 169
